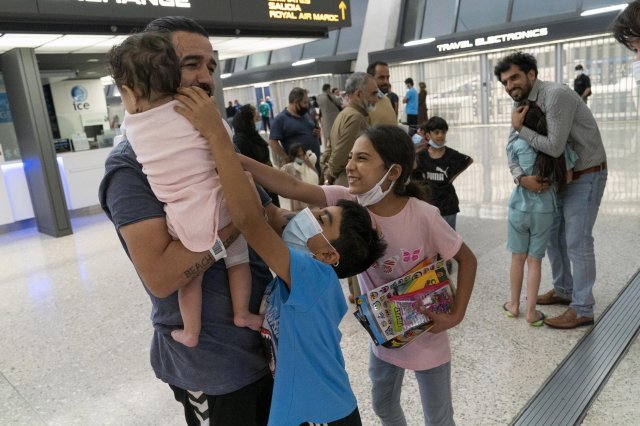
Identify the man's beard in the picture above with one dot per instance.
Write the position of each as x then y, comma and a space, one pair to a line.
367, 106
518, 98
384, 89
524, 92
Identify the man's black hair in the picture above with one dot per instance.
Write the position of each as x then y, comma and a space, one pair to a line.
578, 67
626, 26
525, 61
371, 69
409, 81
170, 24
359, 243
297, 94
326, 87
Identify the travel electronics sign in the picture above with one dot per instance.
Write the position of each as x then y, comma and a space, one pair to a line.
493, 40
241, 14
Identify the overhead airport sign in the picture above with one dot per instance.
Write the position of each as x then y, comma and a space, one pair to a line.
269, 15
144, 10
325, 13
156, 3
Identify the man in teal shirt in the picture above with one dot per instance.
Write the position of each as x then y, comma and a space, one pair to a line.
265, 114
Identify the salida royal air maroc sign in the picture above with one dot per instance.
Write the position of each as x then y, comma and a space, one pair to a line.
242, 14
309, 10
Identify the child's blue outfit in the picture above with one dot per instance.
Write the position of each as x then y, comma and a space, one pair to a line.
531, 214
311, 383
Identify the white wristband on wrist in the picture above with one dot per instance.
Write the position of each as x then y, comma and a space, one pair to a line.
217, 251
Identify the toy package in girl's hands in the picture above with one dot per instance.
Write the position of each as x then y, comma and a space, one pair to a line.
435, 298
389, 313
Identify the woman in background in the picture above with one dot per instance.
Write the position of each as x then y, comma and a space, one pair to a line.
422, 104
247, 139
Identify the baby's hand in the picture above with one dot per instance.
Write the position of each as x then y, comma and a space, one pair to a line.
200, 109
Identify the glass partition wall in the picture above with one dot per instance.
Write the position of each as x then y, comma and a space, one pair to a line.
455, 84
608, 65
453, 87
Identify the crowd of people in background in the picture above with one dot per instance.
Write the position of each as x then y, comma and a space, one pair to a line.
349, 153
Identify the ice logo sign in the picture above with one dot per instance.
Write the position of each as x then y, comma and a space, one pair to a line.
79, 95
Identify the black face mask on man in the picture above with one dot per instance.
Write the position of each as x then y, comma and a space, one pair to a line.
302, 110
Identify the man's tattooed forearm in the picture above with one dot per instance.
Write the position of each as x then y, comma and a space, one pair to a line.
199, 267
230, 239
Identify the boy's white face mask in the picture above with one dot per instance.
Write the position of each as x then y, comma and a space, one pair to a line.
300, 229
435, 145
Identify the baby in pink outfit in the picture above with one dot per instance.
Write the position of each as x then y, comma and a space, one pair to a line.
181, 171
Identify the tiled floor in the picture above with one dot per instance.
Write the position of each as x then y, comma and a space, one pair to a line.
75, 320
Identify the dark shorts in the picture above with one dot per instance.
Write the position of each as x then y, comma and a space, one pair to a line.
352, 419
247, 406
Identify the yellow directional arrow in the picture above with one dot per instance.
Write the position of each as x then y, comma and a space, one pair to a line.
343, 7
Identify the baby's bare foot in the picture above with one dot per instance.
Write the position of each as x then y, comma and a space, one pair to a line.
247, 319
187, 339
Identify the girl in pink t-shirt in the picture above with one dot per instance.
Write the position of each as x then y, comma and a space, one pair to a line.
181, 172
378, 171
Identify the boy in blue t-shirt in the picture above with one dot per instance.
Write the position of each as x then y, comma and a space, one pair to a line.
411, 101
311, 384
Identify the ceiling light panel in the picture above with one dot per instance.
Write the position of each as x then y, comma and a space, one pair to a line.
10, 41
71, 43
227, 47
243, 46
102, 46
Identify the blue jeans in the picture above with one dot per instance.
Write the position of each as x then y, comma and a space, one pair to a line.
451, 220
571, 253
435, 393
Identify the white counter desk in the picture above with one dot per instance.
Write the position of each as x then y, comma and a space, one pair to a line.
81, 173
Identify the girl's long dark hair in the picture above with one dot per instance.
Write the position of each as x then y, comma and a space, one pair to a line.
546, 166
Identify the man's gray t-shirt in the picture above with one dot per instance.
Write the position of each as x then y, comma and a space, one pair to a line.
227, 357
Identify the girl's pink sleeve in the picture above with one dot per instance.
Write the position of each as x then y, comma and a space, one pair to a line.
333, 193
